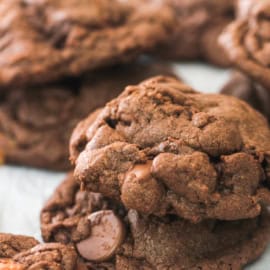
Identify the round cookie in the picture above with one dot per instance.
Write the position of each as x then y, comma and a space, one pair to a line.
162, 148
43, 41
22, 252
199, 24
36, 123
247, 41
136, 242
246, 89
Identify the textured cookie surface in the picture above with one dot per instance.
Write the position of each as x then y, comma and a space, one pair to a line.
176, 244
10, 244
65, 217
149, 242
48, 256
76, 35
198, 27
161, 147
22, 252
246, 89
247, 41
36, 123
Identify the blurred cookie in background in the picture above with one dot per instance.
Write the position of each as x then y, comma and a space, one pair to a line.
246, 89
44, 41
196, 33
36, 123
246, 41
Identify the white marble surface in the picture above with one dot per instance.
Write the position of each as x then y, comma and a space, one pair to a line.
24, 190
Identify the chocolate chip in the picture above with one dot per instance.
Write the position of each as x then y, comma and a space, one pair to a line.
107, 234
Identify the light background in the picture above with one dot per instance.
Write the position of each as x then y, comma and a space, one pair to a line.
23, 190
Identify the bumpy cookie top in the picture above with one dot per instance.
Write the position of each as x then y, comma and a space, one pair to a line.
199, 22
243, 87
161, 148
76, 35
22, 252
247, 41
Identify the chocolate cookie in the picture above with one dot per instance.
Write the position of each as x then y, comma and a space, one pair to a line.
176, 244
65, 219
247, 42
199, 24
106, 235
25, 253
246, 89
36, 123
42, 41
10, 244
161, 148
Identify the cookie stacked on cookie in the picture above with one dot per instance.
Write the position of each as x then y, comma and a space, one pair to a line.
247, 44
165, 178
199, 23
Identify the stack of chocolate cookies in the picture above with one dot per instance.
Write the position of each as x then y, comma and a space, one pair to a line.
165, 178
162, 177
199, 23
246, 42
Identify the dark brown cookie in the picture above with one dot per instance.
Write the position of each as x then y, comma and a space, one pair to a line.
199, 24
247, 42
176, 244
161, 147
246, 89
25, 253
36, 123
42, 41
92, 222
